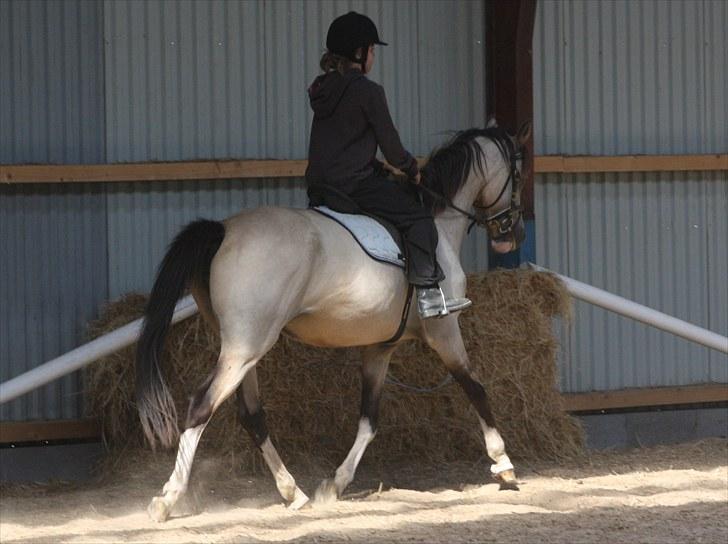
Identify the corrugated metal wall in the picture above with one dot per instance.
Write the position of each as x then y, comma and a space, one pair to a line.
166, 80
198, 79
629, 77
220, 79
52, 237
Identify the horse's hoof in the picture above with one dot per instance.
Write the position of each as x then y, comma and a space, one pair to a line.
158, 510
326, 492
507, 480
299, 500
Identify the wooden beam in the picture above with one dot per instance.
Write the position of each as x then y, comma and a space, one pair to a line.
152, 171
244, 169
509, 74
630, 163
39, 431
635, 398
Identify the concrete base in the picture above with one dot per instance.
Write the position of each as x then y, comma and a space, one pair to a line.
43, 463
635, 429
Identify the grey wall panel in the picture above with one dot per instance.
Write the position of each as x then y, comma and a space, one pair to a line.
52, 237
656, 238
52, 282
716, 220
51, 89
628, 77
218, 79
715, 16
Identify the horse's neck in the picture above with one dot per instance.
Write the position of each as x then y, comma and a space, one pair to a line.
453, 225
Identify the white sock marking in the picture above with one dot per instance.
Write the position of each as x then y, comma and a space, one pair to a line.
345, 473
496, 449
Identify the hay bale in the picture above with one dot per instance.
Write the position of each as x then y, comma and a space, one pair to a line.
311, 395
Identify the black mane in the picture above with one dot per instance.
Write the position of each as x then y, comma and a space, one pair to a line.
448, 167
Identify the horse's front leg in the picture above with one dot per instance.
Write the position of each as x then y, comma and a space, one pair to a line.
252, 418
375, 360
443, 335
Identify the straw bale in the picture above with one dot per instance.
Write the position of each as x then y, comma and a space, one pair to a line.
311, 395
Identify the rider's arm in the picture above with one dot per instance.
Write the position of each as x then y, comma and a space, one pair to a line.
377, 113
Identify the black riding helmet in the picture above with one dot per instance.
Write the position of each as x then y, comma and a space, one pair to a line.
348, 33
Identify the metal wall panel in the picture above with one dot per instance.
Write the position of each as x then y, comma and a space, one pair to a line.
52, 237
51, 90
222, 79
628, 78
218, 79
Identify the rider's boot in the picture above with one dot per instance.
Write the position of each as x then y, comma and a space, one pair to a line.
431, 302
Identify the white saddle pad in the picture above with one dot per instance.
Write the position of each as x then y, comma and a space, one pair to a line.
374, 239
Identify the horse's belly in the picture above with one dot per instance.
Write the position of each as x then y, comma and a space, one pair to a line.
327, 329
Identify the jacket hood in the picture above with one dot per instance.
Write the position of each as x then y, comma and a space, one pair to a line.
326, 91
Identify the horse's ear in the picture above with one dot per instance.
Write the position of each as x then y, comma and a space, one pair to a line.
492, 123
524, 133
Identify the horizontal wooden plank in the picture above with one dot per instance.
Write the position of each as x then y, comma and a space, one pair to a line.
39, 431
629, 163
245, 169
635, 398
151, 171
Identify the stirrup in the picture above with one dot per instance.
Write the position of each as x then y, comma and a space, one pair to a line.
431, 302
457, 304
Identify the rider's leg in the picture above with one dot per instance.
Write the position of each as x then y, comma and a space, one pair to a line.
252, 418
375, 360
401, 207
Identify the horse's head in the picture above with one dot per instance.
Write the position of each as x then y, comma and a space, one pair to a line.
481, 168
498, 205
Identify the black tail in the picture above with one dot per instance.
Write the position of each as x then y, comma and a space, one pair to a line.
187, 261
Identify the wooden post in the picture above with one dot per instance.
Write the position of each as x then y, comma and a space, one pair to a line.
509, 87
509, 72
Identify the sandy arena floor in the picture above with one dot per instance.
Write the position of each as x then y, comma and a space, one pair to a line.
661, 495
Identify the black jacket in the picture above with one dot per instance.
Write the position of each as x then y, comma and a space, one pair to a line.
351, 118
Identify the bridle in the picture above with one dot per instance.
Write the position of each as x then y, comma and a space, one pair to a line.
499, 225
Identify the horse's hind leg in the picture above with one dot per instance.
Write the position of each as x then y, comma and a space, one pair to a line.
230, 371
375, 360
252, 418
445, 338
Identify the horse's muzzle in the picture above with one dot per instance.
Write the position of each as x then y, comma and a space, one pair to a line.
511, 240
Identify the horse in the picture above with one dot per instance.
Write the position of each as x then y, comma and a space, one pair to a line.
272, 271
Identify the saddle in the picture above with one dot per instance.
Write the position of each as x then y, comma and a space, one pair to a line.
379, 238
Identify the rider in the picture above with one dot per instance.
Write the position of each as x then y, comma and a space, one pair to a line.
351, 119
